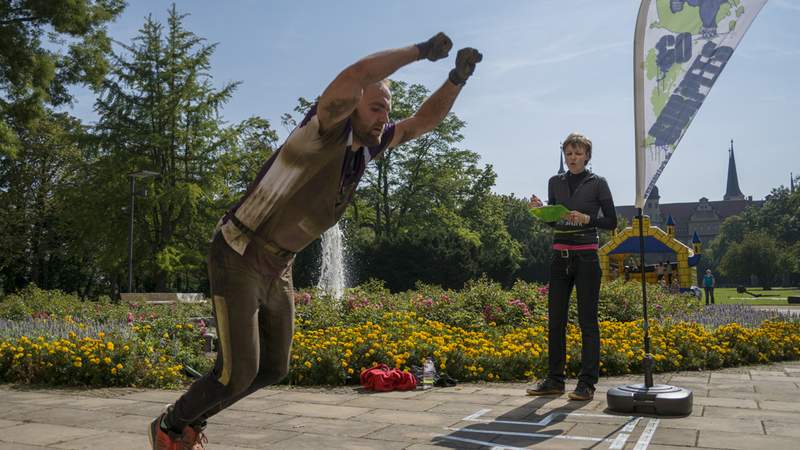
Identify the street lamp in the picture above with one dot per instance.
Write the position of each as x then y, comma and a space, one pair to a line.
133, 177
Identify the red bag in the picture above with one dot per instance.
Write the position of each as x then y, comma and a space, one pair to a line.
383, 379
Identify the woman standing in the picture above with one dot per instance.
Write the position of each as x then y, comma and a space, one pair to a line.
575, 263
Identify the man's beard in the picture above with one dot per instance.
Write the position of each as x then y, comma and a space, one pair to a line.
367, 138
362, 132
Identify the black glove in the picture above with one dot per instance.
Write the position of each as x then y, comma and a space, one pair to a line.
465, 65
435, 48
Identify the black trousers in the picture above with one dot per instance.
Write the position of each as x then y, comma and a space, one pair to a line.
579, 269
709, 296
255, 323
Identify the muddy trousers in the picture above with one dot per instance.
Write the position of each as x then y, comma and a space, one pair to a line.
255, 323
579, 269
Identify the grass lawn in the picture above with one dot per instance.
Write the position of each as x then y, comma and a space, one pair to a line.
775, 296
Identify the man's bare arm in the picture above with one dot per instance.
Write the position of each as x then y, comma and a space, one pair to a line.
343, 94
435, 108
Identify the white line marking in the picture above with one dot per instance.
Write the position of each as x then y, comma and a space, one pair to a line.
546, 420
534, 435
615, 444
484, 443
620, 441
476, 414
647, 435
629, 427
624, 434
540, 423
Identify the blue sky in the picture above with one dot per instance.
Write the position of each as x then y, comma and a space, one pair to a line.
550, 67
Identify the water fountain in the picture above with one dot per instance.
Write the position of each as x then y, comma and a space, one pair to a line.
332, 277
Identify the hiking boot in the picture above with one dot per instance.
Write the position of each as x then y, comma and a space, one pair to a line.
163, 440
194, 438
548, 386
583, 392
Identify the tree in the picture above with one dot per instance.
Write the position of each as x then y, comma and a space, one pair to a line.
757, 254
778, 218
159, 111
34, 73
34, 244
428, 203
425, 204
535, 238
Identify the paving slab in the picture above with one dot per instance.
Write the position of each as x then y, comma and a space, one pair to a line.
741, 441
753, 407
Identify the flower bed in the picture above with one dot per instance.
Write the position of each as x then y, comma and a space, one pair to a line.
480, 333
336, 355
66, 352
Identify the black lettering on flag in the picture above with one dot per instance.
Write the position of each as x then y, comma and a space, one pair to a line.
684, 103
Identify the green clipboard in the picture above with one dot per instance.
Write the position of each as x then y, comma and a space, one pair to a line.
551, 213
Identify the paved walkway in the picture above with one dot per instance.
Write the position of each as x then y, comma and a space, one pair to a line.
744, 408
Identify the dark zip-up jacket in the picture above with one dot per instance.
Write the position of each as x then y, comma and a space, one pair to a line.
590, 196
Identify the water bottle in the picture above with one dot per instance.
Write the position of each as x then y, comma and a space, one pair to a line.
428, 373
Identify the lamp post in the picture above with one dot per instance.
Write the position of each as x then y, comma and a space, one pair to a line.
133, 177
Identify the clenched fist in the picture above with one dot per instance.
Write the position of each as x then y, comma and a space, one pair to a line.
465, 65
435, 48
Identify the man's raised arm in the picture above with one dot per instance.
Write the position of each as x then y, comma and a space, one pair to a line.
343, 94
435, 108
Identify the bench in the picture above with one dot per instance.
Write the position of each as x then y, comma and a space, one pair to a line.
164, 298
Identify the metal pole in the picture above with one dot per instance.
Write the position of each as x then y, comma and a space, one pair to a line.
130, 238
647, 362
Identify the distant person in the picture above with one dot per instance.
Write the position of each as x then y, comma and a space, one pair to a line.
675, 287
575, 263
669, 273
660, 270
709, 283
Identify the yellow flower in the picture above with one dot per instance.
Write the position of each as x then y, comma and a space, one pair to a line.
110, 346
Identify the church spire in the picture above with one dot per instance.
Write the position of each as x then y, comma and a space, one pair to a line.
561, 164
732, 191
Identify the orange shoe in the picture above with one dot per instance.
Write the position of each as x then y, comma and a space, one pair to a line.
163, 440
193, 438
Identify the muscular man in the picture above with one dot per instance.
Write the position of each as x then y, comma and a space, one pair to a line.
300, 192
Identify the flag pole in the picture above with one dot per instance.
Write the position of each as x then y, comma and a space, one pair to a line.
649, 398
647, 362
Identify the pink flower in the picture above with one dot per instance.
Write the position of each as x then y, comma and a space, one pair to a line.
130, 317
544, 289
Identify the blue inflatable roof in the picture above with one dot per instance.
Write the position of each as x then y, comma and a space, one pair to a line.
693, 260
651, 245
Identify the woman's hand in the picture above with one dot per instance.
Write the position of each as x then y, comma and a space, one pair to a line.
577, 218
535, 202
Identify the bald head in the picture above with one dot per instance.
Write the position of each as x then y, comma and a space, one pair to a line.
372, 113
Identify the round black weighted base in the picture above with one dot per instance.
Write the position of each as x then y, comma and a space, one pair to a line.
659, 399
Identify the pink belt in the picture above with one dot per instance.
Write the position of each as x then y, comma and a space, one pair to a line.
574, 247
